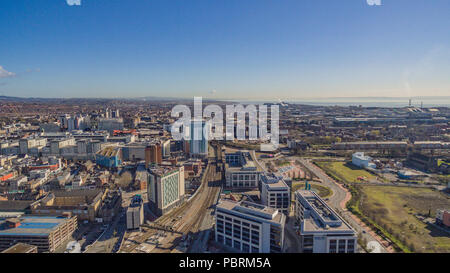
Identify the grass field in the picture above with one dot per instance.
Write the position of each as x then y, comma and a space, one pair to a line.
345, 171
394, 209
322, 191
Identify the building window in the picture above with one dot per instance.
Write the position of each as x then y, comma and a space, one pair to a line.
342, 246
333, 246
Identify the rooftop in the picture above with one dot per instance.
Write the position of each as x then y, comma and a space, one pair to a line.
34, 226
321, 218
20, 248
252, 209
273, 182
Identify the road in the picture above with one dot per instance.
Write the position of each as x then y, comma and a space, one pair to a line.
108, 240
338, 200
292, 240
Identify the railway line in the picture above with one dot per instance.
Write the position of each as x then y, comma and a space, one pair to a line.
186, 219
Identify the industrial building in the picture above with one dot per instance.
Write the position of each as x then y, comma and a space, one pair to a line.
362, 161
275, 193
135, 213
109, 157
45, 232
249, 227
241, 171
165, 188
322, 230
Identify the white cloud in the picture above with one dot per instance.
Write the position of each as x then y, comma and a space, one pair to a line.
6, 74
73, 2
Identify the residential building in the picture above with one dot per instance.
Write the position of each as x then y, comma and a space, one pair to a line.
165, 188
199, 134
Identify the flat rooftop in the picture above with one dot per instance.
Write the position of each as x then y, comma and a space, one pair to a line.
162, 170
274, 182
322, 218
34, 226
255, 210
249, 163
20, 248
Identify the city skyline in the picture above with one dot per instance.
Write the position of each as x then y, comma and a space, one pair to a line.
224, 49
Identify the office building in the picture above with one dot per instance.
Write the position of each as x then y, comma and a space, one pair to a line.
275, 193
322, 230
248, 227
241, 171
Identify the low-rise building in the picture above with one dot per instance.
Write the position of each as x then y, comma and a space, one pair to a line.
443, 217
47, 233
85, 204
362, 161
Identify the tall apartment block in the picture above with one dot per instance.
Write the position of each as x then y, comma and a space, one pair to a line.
248, 227
165, 188
198, 143
322, 230
153, 154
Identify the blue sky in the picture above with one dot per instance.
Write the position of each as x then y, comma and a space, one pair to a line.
253, 49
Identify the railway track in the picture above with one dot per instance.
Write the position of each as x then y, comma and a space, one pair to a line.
188, 217
193, 219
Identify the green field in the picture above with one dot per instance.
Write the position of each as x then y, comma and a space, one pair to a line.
394, 209
345, 171
322, 191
